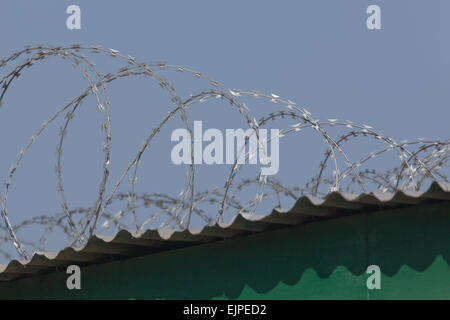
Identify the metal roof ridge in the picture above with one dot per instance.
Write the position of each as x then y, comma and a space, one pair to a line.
242, 223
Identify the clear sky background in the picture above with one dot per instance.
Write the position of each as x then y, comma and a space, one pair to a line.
317, 53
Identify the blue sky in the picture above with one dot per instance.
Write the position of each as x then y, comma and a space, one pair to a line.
317, 53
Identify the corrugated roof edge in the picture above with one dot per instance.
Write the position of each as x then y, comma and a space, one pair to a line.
126, 244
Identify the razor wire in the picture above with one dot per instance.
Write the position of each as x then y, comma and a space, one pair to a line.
420, 161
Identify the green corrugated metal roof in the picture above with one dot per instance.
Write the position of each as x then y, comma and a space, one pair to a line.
124, 244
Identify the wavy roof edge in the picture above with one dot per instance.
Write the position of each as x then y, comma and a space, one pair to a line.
125, 244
